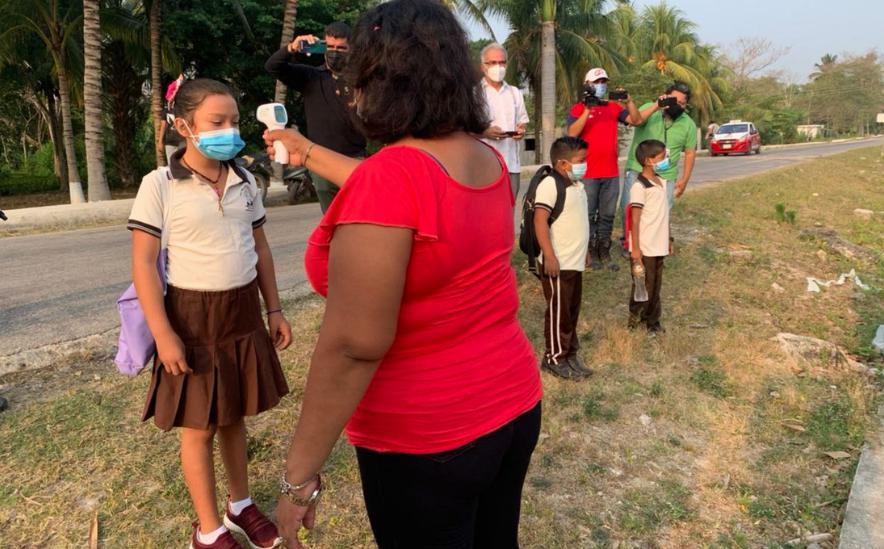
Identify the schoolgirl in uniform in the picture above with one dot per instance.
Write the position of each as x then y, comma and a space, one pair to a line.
216, 361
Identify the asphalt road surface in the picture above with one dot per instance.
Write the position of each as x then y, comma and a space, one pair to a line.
62, 286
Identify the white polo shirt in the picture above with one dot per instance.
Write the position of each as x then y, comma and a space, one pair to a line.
570, 232
506, 110
211, 245
653, 227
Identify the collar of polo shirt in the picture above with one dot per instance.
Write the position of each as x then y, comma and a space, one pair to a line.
180, 171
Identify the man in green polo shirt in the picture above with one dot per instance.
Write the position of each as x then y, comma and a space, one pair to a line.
673, 127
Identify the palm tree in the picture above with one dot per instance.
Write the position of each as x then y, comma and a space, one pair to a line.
26, 60
826, 64
57, 27
288, 32
156, 75
92, 41
669, 45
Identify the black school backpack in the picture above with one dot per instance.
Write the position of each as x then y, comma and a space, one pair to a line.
527, 238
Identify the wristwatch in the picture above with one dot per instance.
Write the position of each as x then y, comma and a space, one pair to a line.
291, 491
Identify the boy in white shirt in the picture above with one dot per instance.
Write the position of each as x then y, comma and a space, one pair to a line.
648, 232
563, 258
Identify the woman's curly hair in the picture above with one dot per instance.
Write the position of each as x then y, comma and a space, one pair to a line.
411, 69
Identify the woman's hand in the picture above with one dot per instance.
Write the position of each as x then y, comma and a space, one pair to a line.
280, 330
290, 517
636, 254
170, 351
294, 142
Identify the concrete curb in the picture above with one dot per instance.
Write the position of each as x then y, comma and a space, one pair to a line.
862, 527
68, 214
74, 215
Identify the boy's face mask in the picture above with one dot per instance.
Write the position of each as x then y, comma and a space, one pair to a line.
577, 171
662, 165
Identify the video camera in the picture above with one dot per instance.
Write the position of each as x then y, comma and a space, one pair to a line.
589, 97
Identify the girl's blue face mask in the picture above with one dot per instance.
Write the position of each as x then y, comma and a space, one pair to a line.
218, 144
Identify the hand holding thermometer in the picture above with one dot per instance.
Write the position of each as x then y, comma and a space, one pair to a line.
274, 116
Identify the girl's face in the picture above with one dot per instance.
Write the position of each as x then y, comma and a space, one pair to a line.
216, 112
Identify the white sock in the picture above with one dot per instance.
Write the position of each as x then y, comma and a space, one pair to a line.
211, 537
237, 507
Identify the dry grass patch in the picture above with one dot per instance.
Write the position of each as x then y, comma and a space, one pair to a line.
708, 436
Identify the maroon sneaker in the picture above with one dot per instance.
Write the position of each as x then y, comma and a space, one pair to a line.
224, 541
260, 532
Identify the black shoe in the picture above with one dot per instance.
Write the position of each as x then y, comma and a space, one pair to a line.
562, 369
578, 366
592, 255
604, 250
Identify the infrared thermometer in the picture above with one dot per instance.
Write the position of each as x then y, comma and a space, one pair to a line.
274, 116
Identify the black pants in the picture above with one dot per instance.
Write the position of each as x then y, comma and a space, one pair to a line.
563, 295
465, 498
650, 311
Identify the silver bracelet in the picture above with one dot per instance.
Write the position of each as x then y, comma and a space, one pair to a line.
289, 490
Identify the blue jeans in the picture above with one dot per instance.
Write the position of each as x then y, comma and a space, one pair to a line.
601, 194
628, 179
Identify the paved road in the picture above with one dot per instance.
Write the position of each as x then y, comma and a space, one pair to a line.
62, 286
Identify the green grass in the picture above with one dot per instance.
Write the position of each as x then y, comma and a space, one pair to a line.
733, 455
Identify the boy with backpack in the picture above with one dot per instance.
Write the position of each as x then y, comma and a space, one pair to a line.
647, 236
555, 231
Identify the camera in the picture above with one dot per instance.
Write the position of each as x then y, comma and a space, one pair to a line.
589, 97
666, 102
619, 94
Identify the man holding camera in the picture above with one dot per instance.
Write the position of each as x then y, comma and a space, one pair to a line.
595, 121
327, 99
506, 110
665, 120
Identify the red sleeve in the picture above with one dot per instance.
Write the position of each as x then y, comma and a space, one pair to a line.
397, 187
616, 108
577, 110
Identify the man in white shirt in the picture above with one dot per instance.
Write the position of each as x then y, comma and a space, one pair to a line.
506, 110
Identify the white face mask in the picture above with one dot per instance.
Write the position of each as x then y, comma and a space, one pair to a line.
496, 73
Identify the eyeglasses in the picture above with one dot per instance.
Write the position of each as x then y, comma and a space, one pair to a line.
495, 63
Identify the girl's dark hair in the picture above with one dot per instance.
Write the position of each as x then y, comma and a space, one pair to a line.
565, 147
192, 93
649, 148
410, 64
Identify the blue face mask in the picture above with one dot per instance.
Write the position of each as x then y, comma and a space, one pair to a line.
578, 171
218, 144
662, 165
600, 90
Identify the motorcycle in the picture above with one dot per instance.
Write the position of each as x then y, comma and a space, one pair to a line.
296, 178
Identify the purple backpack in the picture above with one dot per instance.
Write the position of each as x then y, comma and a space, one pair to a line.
137, 346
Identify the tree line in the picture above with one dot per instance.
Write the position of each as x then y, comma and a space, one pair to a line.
81, 81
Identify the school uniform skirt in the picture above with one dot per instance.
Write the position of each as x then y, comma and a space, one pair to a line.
236, 371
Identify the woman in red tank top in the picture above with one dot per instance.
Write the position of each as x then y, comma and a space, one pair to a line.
420, 354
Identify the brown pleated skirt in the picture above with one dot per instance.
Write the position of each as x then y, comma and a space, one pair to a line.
236, 371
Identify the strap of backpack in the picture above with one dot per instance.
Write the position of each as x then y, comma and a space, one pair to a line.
561, 189
165, 187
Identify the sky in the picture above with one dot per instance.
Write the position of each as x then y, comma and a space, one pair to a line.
809, 28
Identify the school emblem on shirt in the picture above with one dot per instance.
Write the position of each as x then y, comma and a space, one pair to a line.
249, 198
